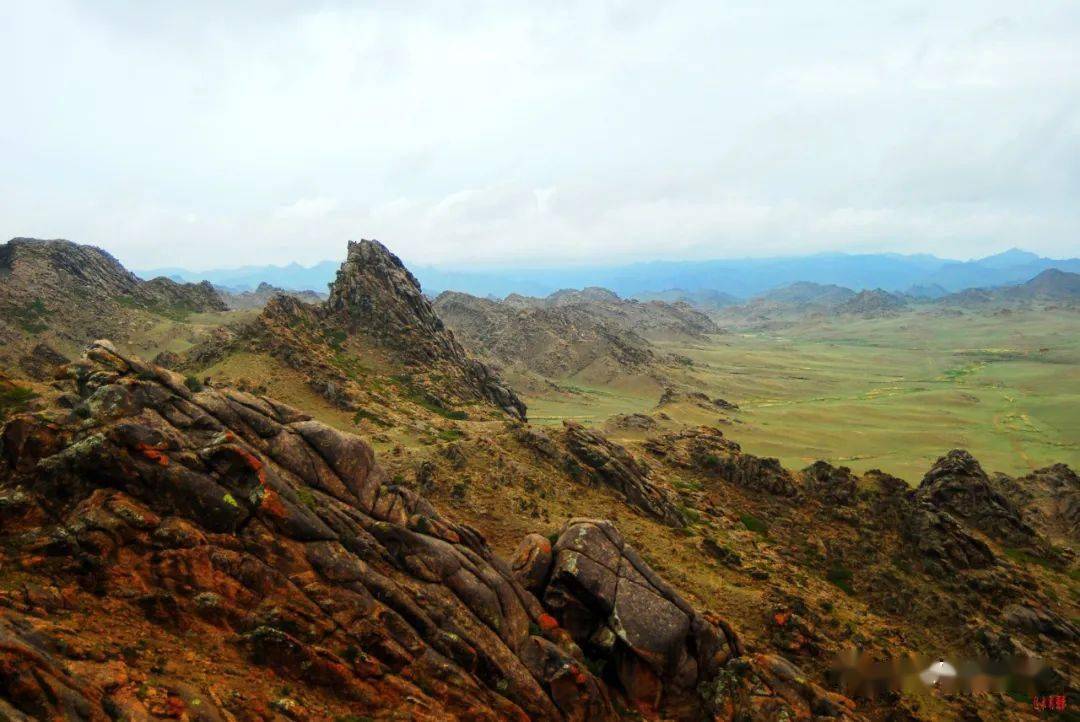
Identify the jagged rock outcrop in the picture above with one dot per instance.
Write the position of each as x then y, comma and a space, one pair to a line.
835, 485
376, 296
957, 483
942, 545
1050, 498
248, 535
375, 308
705, 449
608, 463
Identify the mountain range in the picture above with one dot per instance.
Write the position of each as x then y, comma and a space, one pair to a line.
678, 280
334, 509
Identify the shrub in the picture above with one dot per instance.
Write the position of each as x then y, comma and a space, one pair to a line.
14, 399
754, 524
193, 384
841, 577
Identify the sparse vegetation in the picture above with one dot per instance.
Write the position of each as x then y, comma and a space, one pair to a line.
754, 524
362, 414
841, 577
14, 399
31, 316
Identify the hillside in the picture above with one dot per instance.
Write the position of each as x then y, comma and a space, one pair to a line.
261, 295
220, 553
806, 293
217, 543
654, 320
374, 348
1049, 287
59, 295
872, 303
561, 340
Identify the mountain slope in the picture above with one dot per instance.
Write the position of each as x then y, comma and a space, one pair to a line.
216, 555
1049, 286
65, 294
649, 319
373, 346
558, 341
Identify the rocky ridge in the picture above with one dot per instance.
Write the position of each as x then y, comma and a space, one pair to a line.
64, 295
243, 531
261, 295
555, 341
376, 311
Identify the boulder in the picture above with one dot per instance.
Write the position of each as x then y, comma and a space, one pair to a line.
661, 650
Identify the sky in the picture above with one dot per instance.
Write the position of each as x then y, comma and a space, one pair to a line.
206, 134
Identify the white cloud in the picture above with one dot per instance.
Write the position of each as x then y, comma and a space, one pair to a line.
307, 208
205, 134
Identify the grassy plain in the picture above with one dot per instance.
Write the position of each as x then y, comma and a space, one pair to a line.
890, 393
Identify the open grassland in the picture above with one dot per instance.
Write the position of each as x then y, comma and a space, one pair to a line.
891, 393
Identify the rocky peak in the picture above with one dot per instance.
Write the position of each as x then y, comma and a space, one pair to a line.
375, 293
872, 303
376, 298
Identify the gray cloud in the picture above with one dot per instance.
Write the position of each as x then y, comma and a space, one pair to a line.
210, 134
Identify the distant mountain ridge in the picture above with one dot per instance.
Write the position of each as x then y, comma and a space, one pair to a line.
661, 280
56, 295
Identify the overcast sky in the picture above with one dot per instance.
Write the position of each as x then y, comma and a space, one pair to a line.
211, 134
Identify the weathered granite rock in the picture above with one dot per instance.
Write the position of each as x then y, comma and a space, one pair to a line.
611, 464
662, 651
835, 485
532, 562
236, 513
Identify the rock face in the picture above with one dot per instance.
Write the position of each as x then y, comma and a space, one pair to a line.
957, 483
1050, 498
242, 532
835, 485
375, 295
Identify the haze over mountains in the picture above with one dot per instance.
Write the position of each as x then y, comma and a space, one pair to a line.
922, 274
